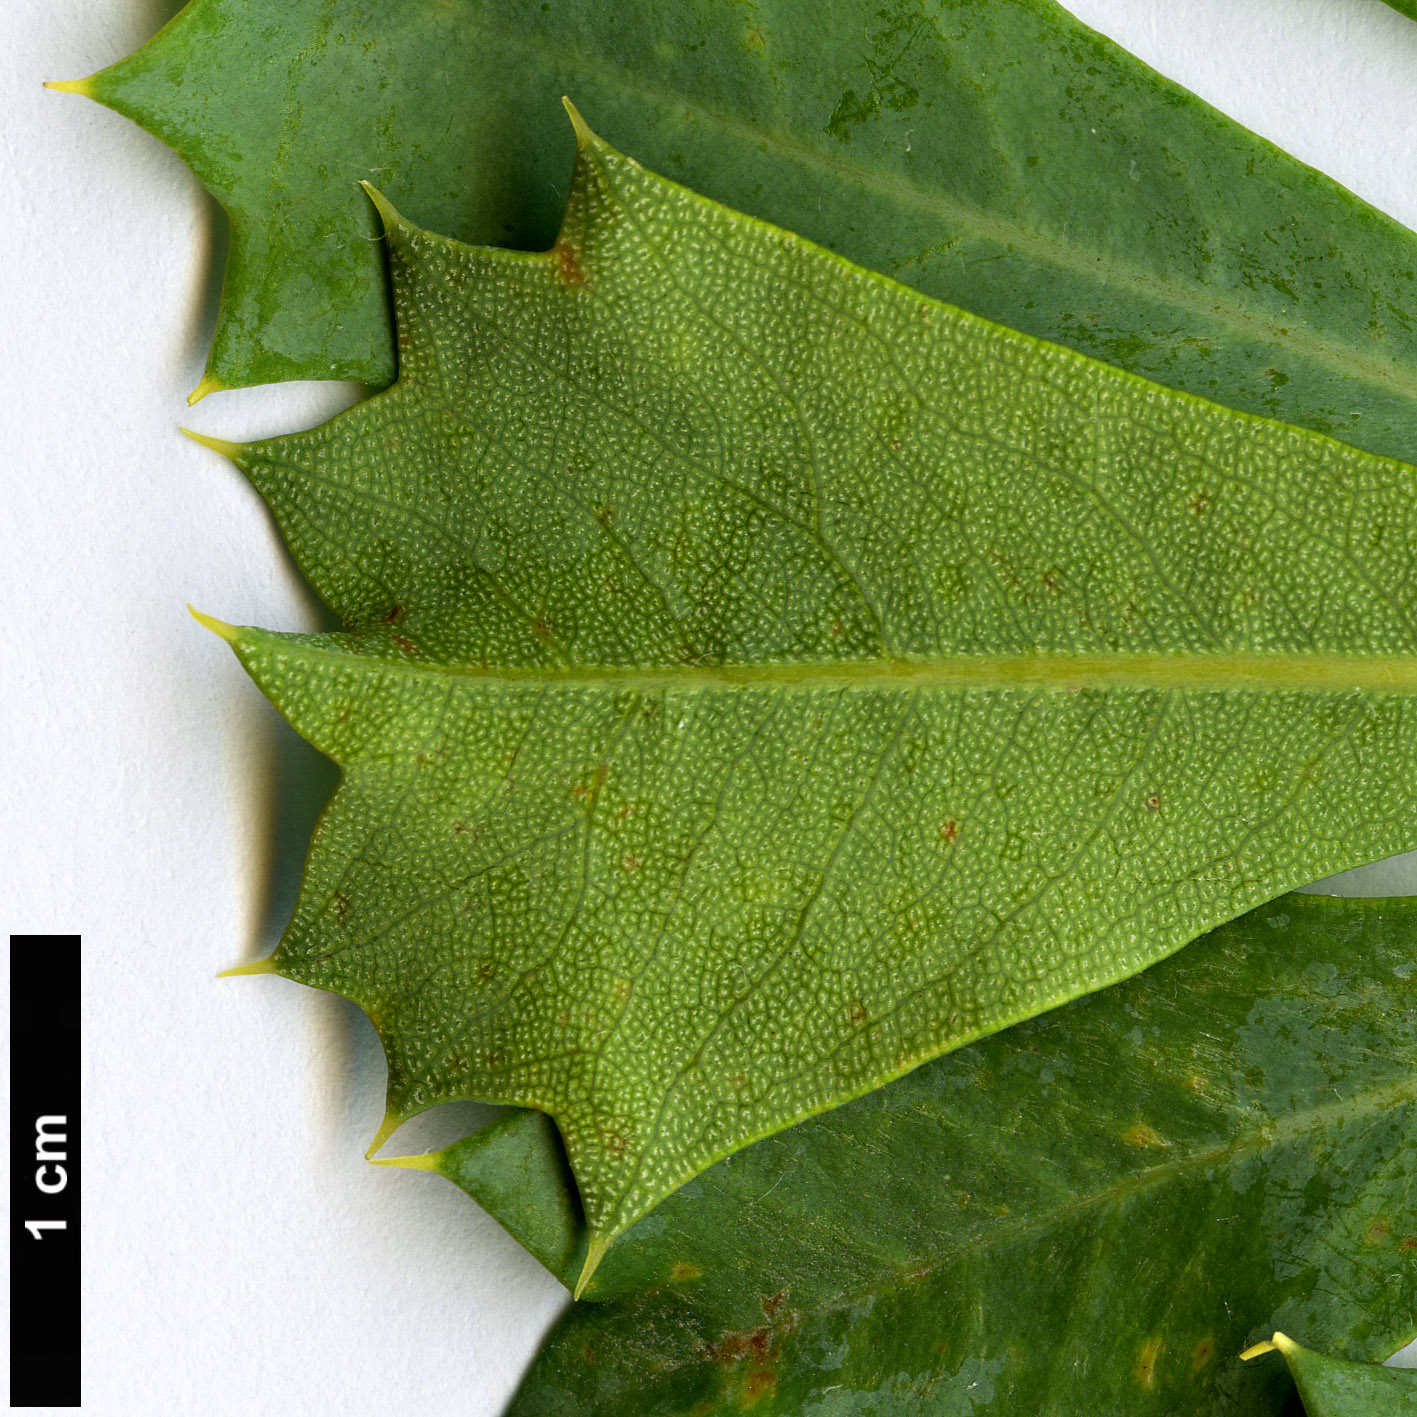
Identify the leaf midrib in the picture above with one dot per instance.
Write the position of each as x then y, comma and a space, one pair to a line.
1328, 673
1260, 1137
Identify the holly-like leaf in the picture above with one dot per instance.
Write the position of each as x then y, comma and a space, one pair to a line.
1091, 1212
995, 153
1334, 1387
761, 679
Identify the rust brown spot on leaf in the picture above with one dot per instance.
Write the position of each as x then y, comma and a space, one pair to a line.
755, 1343
757, 1385
683, 1272
569, 270
949, 830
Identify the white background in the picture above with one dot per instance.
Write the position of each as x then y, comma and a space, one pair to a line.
241, 1258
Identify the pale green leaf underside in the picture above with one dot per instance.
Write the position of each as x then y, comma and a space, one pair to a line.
1336, 1387
762, 679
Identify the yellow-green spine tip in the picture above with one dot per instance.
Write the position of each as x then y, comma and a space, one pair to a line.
82, 86
229, 633
388, 213
1278, 1344
391, 1123
217, 445
427, 1161
584, 137
257, 966
595, 1252
209, 385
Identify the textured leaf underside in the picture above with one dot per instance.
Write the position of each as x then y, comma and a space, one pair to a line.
994, 153
1094, 1211
761, 679
1334, 1387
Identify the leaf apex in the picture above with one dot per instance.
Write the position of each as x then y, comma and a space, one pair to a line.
595, 1252
218, 627
256, 966
217, 445
79, 86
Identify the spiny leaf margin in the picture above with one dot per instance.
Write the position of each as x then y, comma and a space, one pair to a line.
435, 649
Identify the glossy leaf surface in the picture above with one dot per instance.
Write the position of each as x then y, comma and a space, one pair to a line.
1334, 1387
994, 153
1094, 1211
761, 679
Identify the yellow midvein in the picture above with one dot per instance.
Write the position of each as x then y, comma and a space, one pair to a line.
1392, 674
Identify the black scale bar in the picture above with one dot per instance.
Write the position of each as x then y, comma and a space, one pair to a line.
44, 1171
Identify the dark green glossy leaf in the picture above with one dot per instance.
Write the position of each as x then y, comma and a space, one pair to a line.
761, 679
1405, 7
994, 153
1093, 1212
1335, 1387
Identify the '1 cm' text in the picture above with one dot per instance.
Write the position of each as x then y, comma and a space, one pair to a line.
50, 1136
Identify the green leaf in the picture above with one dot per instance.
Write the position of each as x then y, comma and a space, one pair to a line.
1332, 1387
994, 153
1092, 1212
760, 679
1405, 7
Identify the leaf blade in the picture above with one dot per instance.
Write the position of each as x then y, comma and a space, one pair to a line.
635, 843
908, 140
1000, 1219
